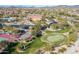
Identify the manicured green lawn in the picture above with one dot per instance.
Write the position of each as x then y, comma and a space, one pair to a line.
48, 32
64, 30
54, 38
35, 46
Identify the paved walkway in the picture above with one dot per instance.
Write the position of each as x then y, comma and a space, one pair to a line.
73, 49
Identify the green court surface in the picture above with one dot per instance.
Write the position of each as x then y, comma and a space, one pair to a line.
2, 39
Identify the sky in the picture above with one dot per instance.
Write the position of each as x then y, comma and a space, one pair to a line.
39, 2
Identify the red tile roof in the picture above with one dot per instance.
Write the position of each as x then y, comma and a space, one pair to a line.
9, 37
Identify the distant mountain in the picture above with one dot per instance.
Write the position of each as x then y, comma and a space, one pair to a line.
22, 6
70, 6
37, 6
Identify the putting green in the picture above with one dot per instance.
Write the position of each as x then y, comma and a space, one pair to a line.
54, 38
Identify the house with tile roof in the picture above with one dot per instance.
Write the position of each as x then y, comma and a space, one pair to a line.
35, 17
8, 37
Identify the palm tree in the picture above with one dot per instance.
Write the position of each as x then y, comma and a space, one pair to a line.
37, 27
